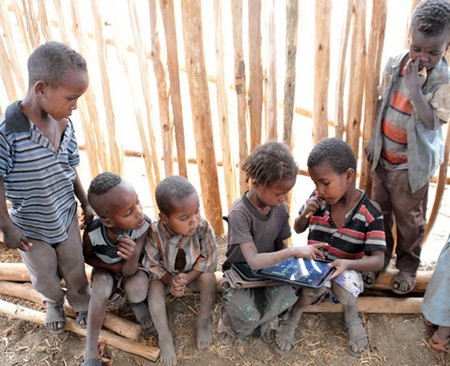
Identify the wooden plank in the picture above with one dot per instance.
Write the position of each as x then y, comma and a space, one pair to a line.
241, 94
358, 75
170, 33
201, 113
124, 344
166, 123
256, 74
340, 84
290, 77
321, 70
271, 80
145, 86
229, 169
375, 52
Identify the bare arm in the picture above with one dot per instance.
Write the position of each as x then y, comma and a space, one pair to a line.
88, 213
91, 259
263, 260
374, 262
12, 236
414, 83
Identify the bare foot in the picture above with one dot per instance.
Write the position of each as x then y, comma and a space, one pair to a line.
284, 337
167, 356
204, 336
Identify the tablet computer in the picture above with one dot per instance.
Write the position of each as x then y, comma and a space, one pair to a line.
298, 271
246, 272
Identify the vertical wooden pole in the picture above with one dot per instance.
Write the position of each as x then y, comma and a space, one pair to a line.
60, 14
340, 85
375, 52
357, 71
145, 77
291, 58
163, 95
271, 99
414, 3
90, 124
43, 20
23, 27
30, 17
229, 168
239, 80
115, 157
137, 101
201, 113
256, 74
168, 16
5, 72
321, 69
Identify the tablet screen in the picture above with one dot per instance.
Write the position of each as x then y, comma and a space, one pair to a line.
299, 271
246, 272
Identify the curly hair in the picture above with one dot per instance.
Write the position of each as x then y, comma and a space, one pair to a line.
333, 151
269, 163
431, 17
52, 62
171, 190
99, 186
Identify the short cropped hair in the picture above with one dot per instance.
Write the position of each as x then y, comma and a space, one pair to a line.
171, 190
431, 17
269, 163
52, 62
99, 186
333, 151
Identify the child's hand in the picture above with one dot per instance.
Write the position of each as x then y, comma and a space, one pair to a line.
127, 248
178, 285
341, 265
413, 80
87, 216
14, 239
309, 251
313, 204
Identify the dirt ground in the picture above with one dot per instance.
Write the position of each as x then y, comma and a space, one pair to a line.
320, 339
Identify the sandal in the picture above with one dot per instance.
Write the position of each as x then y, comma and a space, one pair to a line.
225, 333
438, 343
82, 319
93, 362
357, 337
370, 278
269, 331
287, 336
403, 282
55, 319
143, 317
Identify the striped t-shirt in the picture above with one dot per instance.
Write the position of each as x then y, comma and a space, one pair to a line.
38, 181
104, 248
362, 232
393, 128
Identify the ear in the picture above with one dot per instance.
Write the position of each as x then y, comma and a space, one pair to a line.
350, 175
164, 218
107, 222
39, 87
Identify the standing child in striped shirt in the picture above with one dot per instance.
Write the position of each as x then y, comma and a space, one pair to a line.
342, 216
181, 252
407, 144
38, 159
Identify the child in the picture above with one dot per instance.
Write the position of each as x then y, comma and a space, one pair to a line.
38, 156
181, 252
352, 226
436, 307
258, 225
407, 144
113, 244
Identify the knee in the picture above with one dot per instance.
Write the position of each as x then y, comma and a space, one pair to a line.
207, 279
309, 295
102, 285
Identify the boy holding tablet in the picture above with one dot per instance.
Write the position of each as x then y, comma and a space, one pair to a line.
339, 214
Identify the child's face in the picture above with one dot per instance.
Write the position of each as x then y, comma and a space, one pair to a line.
124, 209
330, 185
185, 216
276, 193
59, 101
428, 49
